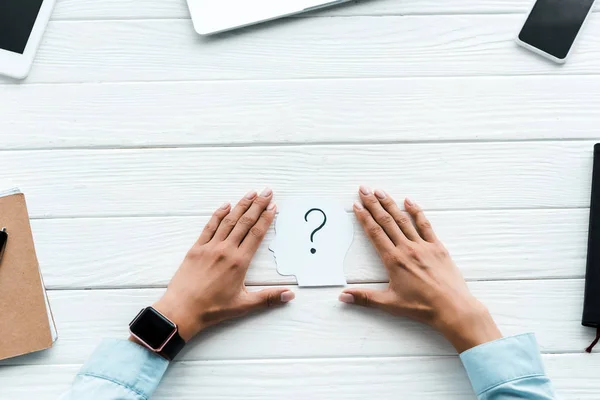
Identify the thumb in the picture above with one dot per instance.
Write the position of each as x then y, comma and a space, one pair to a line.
365, 297
268, 298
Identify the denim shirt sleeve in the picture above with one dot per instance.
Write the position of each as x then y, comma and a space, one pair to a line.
509, 368
505, 369
118, 370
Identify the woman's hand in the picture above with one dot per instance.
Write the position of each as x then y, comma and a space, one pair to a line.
209, 286
425, 284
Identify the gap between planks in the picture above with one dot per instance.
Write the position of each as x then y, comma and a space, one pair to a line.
292, 287
183, 215
295, 144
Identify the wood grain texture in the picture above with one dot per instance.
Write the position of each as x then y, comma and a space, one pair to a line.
352, 47
115, 9
197, 180
306, 111
317, 325
131, 129
426, 378
134, 252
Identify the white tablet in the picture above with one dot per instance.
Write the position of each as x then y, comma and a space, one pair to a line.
22, 24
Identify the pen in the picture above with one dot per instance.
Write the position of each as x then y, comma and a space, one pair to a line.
3, 241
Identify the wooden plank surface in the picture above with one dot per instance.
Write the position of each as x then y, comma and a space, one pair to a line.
317, 325
351, 47
131, 129
431, 378
196, 181
118, 9
294, 111
135, 252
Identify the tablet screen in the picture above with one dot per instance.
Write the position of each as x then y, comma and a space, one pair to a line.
17, 18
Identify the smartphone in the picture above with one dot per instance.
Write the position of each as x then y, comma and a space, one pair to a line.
591, 307
553, 26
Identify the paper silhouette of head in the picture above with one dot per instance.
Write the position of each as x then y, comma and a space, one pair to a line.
312, 237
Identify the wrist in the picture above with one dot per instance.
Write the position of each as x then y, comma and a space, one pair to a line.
188, 325
139, 343
468, 326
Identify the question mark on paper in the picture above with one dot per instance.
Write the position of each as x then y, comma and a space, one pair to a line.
312, 235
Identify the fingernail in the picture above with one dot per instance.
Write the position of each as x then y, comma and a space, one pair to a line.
346, 298
225, 206
380, 194
358, 205
271, 206
365, 190
409, 202
250, 195
266, 193
288, 296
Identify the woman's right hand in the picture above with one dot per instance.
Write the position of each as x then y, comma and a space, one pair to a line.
208, 287
425, 284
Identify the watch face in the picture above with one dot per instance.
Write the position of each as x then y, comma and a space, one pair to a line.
152, 328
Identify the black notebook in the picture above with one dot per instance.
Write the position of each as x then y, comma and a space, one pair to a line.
591, 307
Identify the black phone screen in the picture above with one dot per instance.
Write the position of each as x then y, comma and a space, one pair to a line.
591, 308
553, 25
17, 18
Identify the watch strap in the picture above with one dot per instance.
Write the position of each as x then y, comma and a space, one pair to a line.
173, 347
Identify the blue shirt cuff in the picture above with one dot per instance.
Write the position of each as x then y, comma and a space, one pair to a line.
512, 358
127, 364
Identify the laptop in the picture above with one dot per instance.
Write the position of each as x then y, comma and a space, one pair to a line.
214, 16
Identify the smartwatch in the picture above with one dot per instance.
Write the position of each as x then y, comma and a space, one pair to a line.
156, 332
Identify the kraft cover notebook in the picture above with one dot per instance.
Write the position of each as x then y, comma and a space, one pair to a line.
26, 323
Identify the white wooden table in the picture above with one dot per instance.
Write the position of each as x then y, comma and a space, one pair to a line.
131, 129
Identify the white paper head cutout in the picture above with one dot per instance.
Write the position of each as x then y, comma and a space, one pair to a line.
312, 237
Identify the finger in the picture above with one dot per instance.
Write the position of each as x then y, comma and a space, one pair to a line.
383, 244
257, 233
423, 224
366, 298
401, 218
228, 223
250, 217
268, 298
211, 227
382, 217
